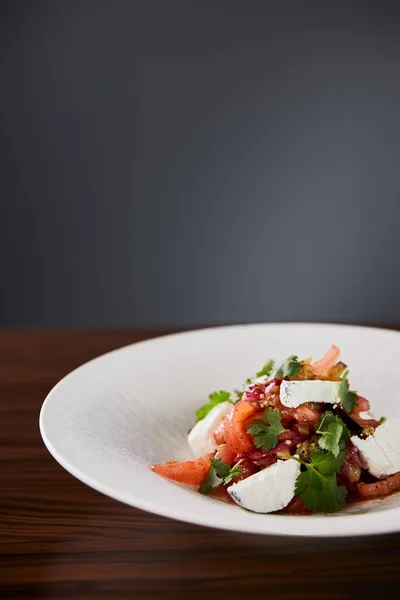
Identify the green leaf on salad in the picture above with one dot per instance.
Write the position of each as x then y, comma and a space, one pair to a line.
289, 368
220, 473
266, 431
317, 484
266, 369
333, 433
214, 399
264, 372
320, 493
238, 394
348, 399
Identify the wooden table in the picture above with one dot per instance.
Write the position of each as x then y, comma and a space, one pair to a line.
61, 539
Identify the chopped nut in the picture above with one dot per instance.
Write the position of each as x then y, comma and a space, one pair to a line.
369, 430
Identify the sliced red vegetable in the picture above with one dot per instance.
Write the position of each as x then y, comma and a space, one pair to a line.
225, 454
311, 416
189, 471
219, 433
236, 435
324, 365
383, 487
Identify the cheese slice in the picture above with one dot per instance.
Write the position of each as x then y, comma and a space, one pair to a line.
380, 453
268, 490
294, 393
201, 436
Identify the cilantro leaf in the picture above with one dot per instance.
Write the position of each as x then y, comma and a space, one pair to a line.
266, 370
214, 399
382, 419
320, 494
266, 431
317, 485
333, 433
220, 473
325, 462
289, 368
348, 399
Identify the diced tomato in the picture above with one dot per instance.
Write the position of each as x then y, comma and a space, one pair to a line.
383, 487
296, 507
287, 414
363, 405
225, 454
365, 422
247, 468
302, 428
287, 435
324, 365
257, 415
219, 433
311, 416
236, 435
190, 471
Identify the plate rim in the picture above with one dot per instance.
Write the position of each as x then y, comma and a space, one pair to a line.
375, 527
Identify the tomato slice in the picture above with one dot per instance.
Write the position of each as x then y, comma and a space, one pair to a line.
324, 365
189, 471
236, 435
363, 405
383, 487
219, 434
304, 414
225, 453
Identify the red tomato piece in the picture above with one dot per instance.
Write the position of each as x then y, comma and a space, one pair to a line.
247, 468
304, 414
296, 507
219, 434
189, 471
383, 487
324, 365
236, 435
225, 454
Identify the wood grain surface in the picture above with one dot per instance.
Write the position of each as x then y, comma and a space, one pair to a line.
61, 539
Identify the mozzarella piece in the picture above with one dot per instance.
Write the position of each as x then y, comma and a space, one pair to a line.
201, 436
294, 393
268, 490
380, 453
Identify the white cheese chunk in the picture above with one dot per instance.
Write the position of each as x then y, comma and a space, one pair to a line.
380, 453
268, 490
294, 393
201, 437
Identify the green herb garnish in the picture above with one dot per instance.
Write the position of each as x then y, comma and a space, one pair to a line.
289, 368
317, 484
266, 370
266, 431
333, 433
348, 399
214, 399
220, 473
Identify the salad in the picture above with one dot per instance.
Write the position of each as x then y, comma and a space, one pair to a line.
295, 439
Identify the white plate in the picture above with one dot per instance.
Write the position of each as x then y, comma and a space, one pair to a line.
110, 419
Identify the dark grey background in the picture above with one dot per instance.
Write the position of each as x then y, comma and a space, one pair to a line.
191, 162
